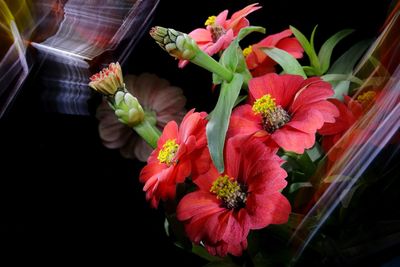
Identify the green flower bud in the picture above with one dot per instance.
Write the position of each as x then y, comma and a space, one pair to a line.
128, 109
177, 44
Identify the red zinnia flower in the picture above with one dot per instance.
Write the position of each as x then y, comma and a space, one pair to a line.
259, 63
220, 31
285, 111
171, 162
246, 196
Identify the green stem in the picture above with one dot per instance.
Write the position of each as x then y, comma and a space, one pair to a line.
148, 132
205, 61
246, 78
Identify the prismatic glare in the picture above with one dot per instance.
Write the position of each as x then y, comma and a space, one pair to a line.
68, 36
365, 141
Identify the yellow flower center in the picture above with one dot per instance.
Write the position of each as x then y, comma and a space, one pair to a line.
247, 51
210, 20
273, 116
168, 151
264, 105
366, 98
229, 191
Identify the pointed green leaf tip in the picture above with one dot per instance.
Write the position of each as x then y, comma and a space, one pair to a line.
308, 47
325, 53
288, 63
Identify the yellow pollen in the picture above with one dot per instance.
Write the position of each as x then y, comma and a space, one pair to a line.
168, 151
366, 98
210, 20
264, 105
225, 187
247, 51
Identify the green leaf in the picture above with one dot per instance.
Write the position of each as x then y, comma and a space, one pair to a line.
296, 186
341, 89
219, 119
341, 77
310, 71
231, 56
325, 52
288, 63
308, 48
315, 152
203, 253
346, 62
166, 227
233, 59
312, 37
345, 65
216, 79
246, 31
306, 165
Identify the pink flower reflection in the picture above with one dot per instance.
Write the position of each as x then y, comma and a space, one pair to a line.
157, 97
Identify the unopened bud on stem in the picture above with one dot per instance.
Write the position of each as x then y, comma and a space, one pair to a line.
177, 44
127, 108
182, 46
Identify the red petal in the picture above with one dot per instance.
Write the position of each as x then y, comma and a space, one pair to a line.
170, 132
292, 84
282, 88
253, 151
293, 140
244, 121
183, 170
267, 66
240, 25
267, 209
232, 157
150, 170
273, 39
292, 46
312, 90
197, 204
195, 230
201, 35
328, 110
221, 18
342, 122
193, 124
307, 121
237, 16
267, 181
233, 232
205, 180
201, 162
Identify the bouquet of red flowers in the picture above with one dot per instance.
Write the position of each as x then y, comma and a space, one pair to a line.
286, 145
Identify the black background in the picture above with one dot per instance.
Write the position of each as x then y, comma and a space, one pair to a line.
64, 197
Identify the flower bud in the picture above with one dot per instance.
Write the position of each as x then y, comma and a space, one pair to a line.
128, 109
108, 80
177, 44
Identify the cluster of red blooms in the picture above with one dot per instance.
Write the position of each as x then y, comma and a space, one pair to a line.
282, 112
